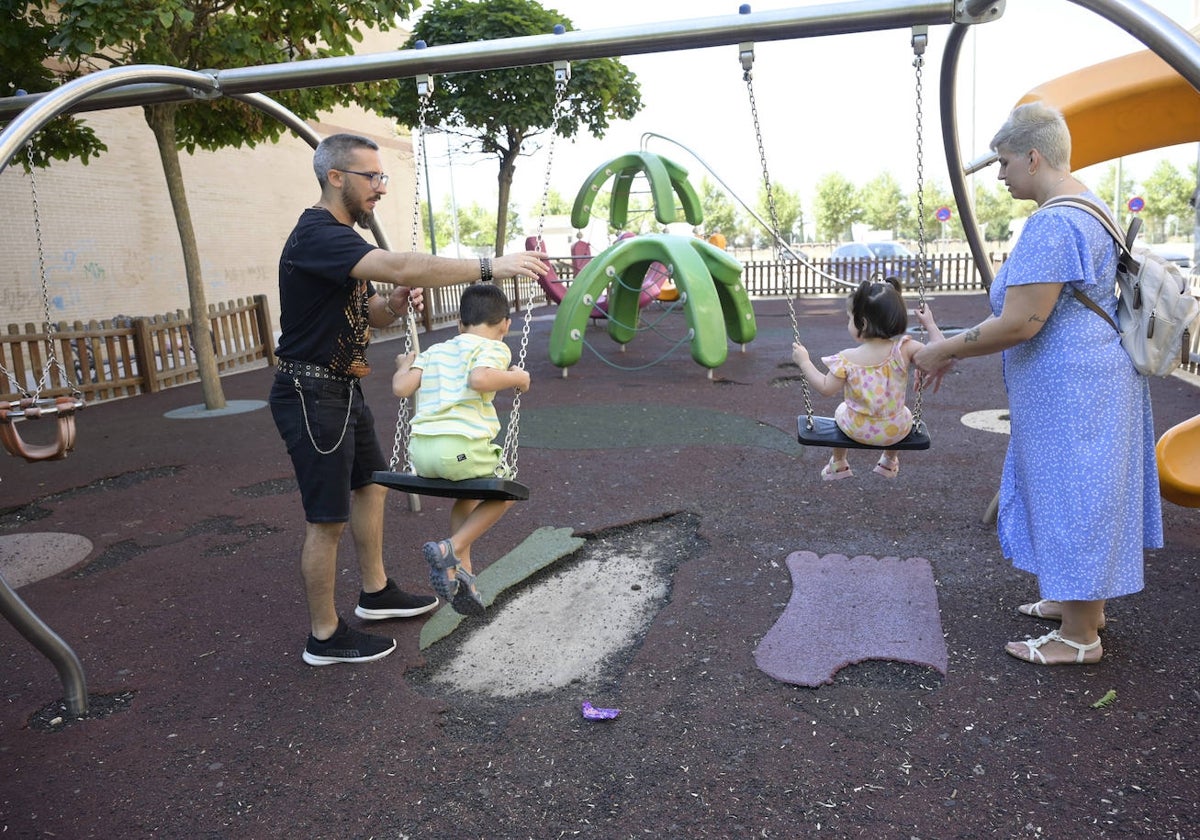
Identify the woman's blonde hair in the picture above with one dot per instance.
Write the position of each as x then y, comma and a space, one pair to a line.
1036, 125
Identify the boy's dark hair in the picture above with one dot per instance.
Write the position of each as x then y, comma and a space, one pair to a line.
482, 303
878, 309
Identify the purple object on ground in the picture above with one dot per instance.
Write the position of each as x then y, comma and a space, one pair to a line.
845, 610
590, 712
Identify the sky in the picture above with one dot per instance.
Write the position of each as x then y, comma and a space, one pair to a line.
826, 104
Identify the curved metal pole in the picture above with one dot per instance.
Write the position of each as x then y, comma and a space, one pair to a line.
954, 165
1166, 38
12, 607
39, 634
1155, 30
306, 132
766, 225
61, 99
829, 18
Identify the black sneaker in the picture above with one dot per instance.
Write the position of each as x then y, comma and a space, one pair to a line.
392, 602
346, 645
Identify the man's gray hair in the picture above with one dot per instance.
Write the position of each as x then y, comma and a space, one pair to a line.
334, 153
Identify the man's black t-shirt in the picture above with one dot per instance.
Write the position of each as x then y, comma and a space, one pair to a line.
323, 310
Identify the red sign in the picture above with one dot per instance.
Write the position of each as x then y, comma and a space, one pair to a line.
1136, 204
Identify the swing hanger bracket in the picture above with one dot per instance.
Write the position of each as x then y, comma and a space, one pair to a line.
562, 72
746, 56
920, 40
425, 85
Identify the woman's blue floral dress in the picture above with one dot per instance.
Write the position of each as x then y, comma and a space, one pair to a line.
1079, 494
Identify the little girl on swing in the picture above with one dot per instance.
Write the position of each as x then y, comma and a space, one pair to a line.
872, 376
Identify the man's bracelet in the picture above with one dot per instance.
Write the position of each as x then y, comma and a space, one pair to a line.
485, 269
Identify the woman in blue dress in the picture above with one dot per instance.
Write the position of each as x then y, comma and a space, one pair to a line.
1079, 495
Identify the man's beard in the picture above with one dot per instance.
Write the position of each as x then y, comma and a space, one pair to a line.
362, 216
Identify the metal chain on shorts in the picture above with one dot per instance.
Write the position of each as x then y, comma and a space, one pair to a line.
308, 428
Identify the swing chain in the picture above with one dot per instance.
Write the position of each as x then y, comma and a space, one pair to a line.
403, 412
748, 56
919, 40
52, 361
508, 467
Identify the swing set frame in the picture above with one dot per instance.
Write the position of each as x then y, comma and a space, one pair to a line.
139, 85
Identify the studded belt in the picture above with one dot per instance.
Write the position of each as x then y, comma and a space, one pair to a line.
308, 369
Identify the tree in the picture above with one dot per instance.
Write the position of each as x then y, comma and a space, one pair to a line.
556, 204
935, 196
787, 213
994, 211
1167, 192
24, 46
836, 206
720, 215
884, 207
198, 34
500, 113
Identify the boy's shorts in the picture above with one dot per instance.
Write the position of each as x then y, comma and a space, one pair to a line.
326, 480
453, 457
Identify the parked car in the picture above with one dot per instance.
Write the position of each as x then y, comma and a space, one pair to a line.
787, 256
1178, 253
858, 261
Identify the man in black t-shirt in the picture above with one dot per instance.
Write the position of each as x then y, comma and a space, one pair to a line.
328, 305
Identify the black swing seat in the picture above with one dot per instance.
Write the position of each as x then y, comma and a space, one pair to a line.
471, 488
825, 432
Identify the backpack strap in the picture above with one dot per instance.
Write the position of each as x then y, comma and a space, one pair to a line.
1124, 242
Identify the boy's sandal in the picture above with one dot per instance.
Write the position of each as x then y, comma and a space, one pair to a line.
832, 472
467, 600
888, 467
1030, 650
1038, 610
442, 562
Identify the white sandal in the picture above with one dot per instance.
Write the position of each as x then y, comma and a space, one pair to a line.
1035, 610
1033, 653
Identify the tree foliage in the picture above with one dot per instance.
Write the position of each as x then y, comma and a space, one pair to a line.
787, 214
994, 211
836, 206
25, 35
884, 204
720, 214
501, 113
1167, 192
70, 38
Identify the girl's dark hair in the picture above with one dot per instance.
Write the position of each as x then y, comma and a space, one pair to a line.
878, 308
482, 303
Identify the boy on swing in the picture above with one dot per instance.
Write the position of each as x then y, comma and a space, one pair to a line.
454, 427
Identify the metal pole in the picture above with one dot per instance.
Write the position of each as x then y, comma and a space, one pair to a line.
39, 634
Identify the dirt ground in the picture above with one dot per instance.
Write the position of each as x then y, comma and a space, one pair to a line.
189, 620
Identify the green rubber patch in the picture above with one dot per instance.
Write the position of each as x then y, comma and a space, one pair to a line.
539, 550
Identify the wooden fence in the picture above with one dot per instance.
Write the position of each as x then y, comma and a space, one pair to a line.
103, 360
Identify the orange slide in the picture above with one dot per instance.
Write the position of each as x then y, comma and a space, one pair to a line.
1178, 454
1130, 104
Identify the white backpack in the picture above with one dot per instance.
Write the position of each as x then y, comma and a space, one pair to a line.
1156, 314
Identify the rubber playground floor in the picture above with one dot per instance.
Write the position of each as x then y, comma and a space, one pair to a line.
666, 511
